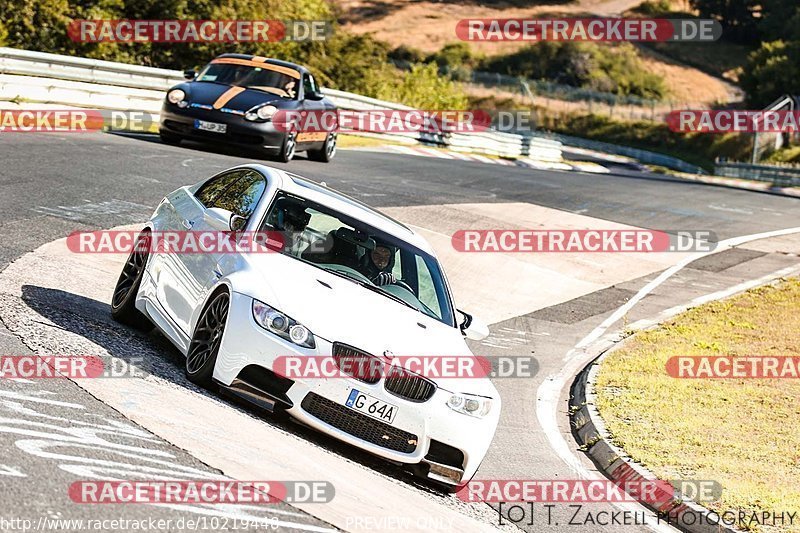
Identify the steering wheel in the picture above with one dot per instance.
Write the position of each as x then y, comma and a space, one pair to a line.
403, 284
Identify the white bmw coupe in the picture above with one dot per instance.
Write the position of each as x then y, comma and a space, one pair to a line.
346, 282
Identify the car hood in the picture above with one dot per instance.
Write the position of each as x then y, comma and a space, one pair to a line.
207, 93
339, 310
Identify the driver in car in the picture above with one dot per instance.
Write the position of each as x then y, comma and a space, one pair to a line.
380, 262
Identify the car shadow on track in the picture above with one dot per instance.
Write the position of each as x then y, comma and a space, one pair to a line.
219, 149
152, 354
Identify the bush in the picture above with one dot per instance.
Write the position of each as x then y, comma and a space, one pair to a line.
614, 69
653, 8
771, 72
453, 56
407, 54
422, 87
785, 155
42, 25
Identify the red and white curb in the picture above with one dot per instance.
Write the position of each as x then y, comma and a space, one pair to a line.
525, 162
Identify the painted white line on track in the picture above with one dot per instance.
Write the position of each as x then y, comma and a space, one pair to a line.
668, 273
547, 396
8, 394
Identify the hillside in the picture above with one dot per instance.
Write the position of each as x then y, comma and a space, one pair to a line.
428, 26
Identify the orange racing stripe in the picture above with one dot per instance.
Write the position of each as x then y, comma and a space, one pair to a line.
251, 63
227, 96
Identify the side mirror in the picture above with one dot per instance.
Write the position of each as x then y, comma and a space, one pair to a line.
314, 96
190, 74
472, 328
224, 220
238, 223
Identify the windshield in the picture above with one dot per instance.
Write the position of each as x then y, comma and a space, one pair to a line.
364, 255
259, 78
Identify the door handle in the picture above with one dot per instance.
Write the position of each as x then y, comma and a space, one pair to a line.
188, 224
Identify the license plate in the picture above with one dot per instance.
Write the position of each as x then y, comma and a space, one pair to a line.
364, 403
210, 126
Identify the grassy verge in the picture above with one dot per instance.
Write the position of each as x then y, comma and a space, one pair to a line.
698, 148
742, 433
357, 141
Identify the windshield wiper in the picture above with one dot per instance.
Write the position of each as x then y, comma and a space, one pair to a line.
340, 274
370, 286
376, 288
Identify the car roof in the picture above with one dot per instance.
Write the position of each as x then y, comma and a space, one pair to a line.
250, 57
322, 194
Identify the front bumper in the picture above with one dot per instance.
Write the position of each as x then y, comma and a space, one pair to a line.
180, 121
427, 434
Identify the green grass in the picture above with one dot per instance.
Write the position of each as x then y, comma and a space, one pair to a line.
742, 433
697, 148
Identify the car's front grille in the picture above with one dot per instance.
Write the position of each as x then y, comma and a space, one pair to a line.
359, 425
408, 385
360, 365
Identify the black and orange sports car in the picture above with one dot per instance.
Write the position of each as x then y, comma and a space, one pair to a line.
232, 100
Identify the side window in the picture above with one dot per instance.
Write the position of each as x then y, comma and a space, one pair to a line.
242, 196
213, 187
309, 85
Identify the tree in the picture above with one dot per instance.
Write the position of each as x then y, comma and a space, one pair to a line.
780, 20
736, 16
771, 71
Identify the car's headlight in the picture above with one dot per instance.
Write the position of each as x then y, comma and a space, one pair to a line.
281, 325
175, 96
263, 112
469, 404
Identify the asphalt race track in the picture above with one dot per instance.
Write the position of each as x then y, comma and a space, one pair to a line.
54, 432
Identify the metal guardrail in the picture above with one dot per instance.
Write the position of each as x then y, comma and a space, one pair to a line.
779, 175
43, 78
41, 64
645, 156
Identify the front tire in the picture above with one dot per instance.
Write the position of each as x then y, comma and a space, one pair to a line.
206, 340
288, 148
123, 302
326, 153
